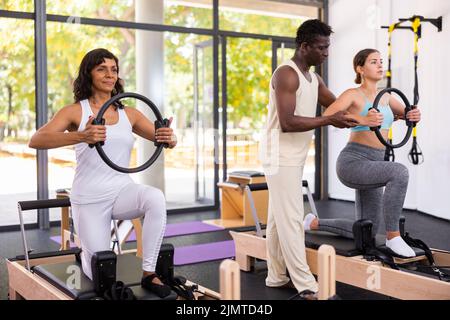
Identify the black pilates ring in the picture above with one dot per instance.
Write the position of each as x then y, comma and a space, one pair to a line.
409, 124
159, 123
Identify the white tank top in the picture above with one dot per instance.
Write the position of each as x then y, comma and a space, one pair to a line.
94, 180
289, 148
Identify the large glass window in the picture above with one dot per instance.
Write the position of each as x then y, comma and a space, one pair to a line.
17, 118
184, 82
192, 14
189, 97
249, 69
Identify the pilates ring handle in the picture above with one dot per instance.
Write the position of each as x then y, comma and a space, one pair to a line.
409, 124
159, 123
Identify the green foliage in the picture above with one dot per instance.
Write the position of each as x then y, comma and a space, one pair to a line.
65, 56
17, 74
254, 23
17, 5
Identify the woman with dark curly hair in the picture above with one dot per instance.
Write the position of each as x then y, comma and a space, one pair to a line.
100, 193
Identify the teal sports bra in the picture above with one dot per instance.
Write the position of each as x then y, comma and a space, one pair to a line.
388, 115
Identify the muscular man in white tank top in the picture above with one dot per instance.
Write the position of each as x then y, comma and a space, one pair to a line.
294, 94
99, 193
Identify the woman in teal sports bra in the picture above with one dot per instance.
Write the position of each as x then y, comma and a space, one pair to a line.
361, 164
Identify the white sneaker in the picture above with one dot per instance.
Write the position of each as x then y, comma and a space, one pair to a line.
309, 218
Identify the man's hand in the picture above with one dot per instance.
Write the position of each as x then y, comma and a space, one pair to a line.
342, 119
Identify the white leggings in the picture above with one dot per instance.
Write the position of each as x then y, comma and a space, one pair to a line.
92, 223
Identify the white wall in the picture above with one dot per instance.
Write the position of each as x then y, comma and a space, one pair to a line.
356, 26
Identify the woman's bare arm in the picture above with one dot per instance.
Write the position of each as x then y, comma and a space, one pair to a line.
54, 135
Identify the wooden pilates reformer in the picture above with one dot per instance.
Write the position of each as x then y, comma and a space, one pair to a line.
58, 275
356, 265
54, 278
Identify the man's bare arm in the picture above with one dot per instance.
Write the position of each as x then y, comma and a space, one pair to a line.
286, 84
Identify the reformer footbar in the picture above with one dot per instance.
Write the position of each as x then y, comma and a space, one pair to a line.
165, 270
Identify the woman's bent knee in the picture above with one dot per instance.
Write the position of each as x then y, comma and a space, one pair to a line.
401, 174
152, 197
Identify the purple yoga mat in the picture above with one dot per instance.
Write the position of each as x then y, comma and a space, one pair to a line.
204, 252
196, 253
57, 239
173, 229
183, 228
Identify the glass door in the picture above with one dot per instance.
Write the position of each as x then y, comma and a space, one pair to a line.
203, 123
246, 72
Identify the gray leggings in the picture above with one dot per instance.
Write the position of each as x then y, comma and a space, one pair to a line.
363, 168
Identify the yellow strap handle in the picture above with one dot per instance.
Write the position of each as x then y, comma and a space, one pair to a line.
391, 30
415, 26
392, 27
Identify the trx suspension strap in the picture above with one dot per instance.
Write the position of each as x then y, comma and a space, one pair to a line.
415, 154
389, 155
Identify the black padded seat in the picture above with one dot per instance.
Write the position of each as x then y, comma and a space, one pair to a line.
343, 246
129, 271
249, 174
